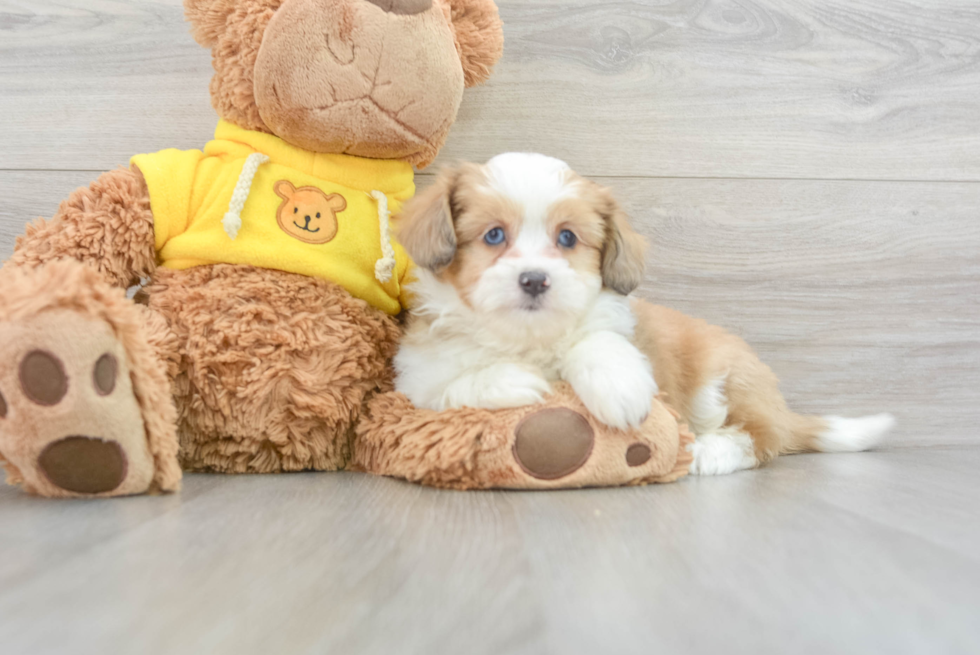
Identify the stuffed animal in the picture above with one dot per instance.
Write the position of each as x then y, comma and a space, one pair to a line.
268, 322
274, 282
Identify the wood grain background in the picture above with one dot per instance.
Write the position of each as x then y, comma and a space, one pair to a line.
808, 172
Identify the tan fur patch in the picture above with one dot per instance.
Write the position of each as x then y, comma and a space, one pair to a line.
581, 216
623, 248
479, 212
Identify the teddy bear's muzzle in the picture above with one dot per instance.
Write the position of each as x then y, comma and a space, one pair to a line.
380, 84
403, 7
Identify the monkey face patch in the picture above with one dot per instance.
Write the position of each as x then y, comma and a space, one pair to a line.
307, 213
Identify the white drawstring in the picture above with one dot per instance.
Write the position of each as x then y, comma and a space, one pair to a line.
232, 221
384, 267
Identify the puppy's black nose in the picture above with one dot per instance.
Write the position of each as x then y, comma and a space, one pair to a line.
534, 283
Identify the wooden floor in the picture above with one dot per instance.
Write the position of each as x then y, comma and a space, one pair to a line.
808, 173
865, 553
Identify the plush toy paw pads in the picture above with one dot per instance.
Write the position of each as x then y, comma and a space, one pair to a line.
84, 465
553, 443
70, 422
638, 454
42, 378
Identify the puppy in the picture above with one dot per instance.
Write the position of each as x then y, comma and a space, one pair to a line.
524, 275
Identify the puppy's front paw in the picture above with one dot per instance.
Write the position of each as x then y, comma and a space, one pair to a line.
619, 396
497, 387
612, 377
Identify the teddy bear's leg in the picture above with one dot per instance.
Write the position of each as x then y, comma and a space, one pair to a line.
85, 404
552, 445
274, 367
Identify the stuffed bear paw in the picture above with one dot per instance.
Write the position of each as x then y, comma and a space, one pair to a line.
554, 444
71, 422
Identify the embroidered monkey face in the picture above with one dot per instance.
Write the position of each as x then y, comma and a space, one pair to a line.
307, 213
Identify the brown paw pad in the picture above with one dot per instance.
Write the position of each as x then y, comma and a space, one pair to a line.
638, 454
43, 378
553, 443
84, 465
104, 375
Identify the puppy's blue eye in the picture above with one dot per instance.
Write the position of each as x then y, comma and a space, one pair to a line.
494, 237
567, 239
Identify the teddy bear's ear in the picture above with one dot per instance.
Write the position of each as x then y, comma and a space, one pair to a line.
284, 189
337, 202
479, 35
208, 19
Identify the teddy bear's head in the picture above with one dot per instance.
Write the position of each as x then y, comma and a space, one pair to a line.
372, 78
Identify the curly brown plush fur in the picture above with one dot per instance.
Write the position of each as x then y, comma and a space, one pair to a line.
273, 368
479, 39
236, 47
108, 225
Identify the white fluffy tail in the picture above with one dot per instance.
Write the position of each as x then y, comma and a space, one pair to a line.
849, 435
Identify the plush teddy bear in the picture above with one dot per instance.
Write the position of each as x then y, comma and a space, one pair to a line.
262, 341
274, 281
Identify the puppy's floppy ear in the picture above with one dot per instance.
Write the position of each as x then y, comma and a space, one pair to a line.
425, 225
623, 263
479, 37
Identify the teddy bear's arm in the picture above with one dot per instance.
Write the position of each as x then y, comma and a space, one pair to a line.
108, 225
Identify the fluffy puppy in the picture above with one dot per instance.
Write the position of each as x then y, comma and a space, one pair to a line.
524, 275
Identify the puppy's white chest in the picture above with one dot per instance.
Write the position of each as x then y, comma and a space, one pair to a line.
548, 361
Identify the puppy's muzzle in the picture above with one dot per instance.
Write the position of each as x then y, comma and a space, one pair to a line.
534, 283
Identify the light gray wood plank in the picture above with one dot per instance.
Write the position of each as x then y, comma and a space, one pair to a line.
862, 89
345, 560
863, 297
86, 84
858, 89
891, 491
763, 561
803, 556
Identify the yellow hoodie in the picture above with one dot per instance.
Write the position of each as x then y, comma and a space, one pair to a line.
251, 198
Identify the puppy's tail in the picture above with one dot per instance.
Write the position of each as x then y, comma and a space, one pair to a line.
835, 434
